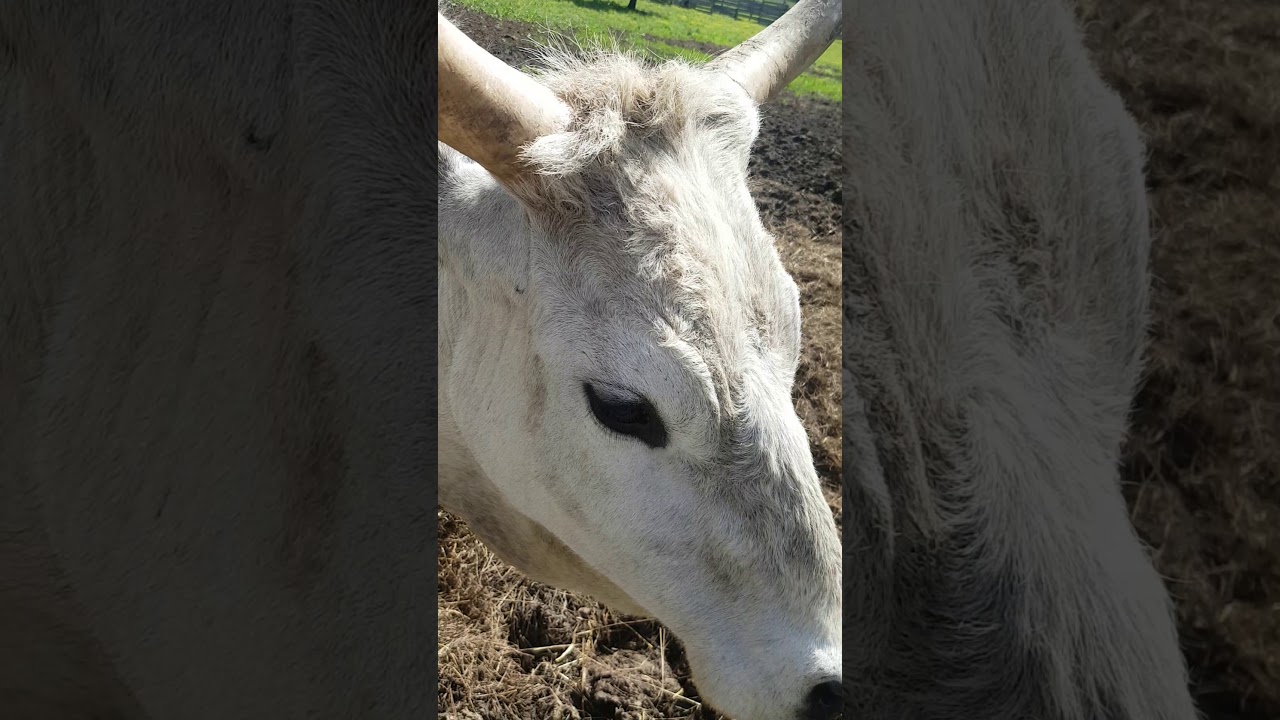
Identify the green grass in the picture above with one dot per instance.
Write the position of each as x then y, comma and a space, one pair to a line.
658, 29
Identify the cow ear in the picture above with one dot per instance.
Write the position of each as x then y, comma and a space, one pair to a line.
484, 233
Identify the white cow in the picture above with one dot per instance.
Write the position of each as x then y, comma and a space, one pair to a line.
995, 281
216, 359
216, 362
618, 341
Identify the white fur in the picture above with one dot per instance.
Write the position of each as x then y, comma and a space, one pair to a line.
995, 312
214, 360
637, 258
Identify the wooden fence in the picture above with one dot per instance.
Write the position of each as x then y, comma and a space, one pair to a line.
761, 11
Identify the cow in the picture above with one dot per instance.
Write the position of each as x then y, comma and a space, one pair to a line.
618, 344
216, 359
996, 240
216, 367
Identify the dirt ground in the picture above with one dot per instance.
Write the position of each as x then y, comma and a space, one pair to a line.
1202, 472
510, 648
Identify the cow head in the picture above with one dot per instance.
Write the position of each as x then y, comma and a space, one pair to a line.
618, 345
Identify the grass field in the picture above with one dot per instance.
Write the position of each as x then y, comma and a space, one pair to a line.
665, 31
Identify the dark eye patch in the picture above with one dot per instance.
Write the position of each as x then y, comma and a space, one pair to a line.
626, 413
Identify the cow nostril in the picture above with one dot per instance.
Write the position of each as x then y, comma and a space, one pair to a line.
823, 702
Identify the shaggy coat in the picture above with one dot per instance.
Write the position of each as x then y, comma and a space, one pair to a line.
995, 310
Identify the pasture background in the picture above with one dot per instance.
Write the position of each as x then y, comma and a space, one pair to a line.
511, 648
1201, 472
661, 30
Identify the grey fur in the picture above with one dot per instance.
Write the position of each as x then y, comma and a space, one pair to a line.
215, 359
634, 254
995, 283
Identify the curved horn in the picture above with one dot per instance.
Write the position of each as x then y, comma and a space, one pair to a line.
773, 58
488, 109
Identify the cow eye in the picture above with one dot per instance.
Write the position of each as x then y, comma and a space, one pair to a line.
626, 413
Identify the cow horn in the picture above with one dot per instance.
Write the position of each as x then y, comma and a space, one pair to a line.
771, 59
489, 110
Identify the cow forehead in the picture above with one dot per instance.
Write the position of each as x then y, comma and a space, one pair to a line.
695, 267
670, 232
720, 322
647, 223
